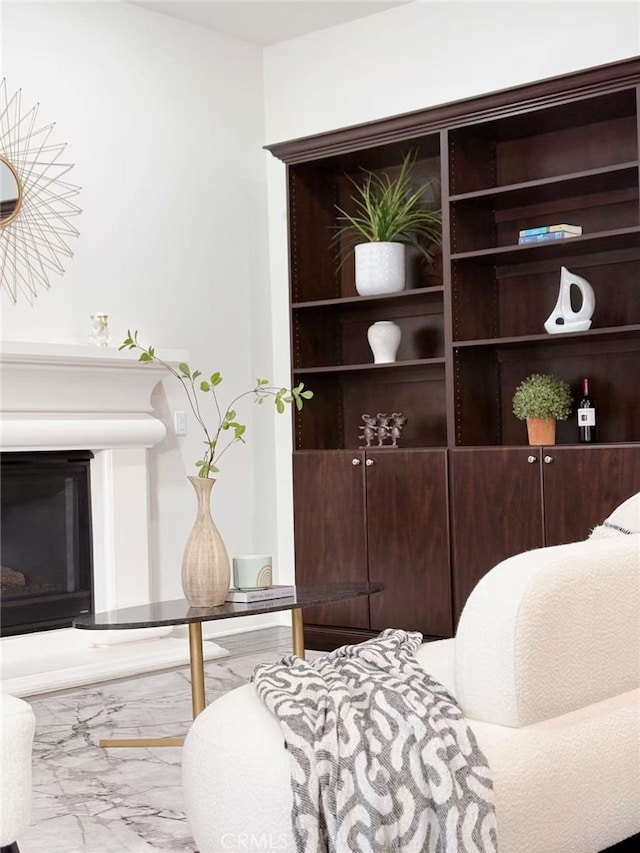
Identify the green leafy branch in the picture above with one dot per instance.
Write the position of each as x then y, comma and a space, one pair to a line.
227, 430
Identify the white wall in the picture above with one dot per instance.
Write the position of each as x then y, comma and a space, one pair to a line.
410, 58
165, 127
427, 53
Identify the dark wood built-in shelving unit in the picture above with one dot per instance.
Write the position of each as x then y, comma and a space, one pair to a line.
430, 519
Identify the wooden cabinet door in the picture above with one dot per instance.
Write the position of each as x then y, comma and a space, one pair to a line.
407, 528
496, 511
330, 530
582, 485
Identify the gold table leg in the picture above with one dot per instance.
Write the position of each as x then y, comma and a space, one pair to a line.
198, 698
196, 660
297, 626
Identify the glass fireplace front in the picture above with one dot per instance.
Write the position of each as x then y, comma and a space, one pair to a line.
45, 540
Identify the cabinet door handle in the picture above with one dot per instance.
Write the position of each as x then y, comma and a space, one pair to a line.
548, 459
355, 461
370, 462
532, 459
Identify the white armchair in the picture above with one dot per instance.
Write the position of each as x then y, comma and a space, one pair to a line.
17, 725
545, 665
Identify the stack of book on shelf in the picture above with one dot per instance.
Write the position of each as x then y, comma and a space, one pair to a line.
548, 232
251, 596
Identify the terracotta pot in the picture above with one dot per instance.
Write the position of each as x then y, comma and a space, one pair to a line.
541, 430
205, 566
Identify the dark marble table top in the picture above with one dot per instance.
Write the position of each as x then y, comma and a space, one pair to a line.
180, 613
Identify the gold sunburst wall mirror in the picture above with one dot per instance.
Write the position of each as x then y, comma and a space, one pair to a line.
36, 200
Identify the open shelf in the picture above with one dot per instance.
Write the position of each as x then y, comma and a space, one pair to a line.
502, 365
522, 340
372, 301
349, 391
321, 254
533, 145
606, 179
620, 238
351, 368
335, 338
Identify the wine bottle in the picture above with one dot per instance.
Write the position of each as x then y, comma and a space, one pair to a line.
587, 416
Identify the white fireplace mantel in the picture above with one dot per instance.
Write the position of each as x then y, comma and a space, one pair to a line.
62, 397
65, 397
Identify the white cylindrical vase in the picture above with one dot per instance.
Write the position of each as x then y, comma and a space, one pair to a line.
379, 268
384, 340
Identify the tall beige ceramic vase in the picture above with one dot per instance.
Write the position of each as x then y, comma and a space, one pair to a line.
205, 565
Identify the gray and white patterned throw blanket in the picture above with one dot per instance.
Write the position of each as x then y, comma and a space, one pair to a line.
382, 759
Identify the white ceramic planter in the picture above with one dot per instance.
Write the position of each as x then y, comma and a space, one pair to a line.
379, 268
384, 340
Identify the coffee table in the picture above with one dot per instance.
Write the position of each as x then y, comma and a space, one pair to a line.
162, 613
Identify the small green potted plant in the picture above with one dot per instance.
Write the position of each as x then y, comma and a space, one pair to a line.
390, 213
541, 400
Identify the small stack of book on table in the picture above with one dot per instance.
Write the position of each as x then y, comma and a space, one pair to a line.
251, 596
548, 232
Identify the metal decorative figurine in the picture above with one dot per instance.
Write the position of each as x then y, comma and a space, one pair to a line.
369, 429
398, 420
382, 427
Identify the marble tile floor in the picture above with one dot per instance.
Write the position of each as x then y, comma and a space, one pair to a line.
91, 800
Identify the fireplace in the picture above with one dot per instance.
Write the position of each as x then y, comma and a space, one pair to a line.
45, 540
90, 408
61, 400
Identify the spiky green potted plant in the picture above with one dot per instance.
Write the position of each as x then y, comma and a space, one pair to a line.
389, 214
205, 565
541, 400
